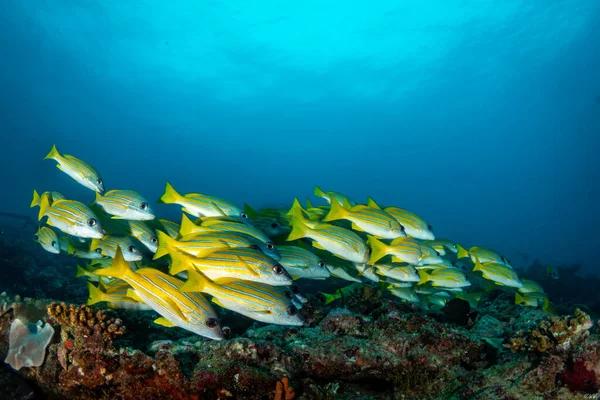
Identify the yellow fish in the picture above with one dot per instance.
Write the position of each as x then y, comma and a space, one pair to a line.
190, 311
373, 221
79, 170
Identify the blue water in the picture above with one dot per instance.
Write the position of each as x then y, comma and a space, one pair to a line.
484, 118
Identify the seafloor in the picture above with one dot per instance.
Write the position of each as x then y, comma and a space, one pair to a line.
369, 347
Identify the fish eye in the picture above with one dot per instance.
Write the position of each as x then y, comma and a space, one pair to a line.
321, 264
144, 205
244, 215
154, 239
212, 323
291, 310
430, 228
92, 222
253, 246
53, 244
274, 225
131, 249
98, 250
270, 246
295, 289
99, 181
278, 269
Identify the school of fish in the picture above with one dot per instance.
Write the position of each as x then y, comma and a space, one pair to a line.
246, 261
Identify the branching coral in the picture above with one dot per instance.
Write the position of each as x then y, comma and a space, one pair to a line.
555, 334
85, 317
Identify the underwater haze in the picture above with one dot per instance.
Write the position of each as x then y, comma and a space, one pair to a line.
482, 116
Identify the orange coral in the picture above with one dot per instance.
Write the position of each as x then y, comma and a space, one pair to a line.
283, 391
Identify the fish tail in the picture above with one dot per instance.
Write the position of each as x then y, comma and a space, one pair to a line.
178, 264
425, 277
371, 203
519, 299
319, 192
462, 252
119, 268
546, 304
170, 196
165, 245
44, 205
36, 199
329, 298
187, 227
80, 272
309, 204
378, 249
98, 197
96, 295
337, 211
195, 282
70, 249
53, 155
299, 229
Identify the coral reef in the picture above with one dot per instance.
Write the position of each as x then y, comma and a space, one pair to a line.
554, 334
368, 346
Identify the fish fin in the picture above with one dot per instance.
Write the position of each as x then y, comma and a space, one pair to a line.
329, 298
378, 249
166, 244
296, 210
119, 268
247, 267
36, 199
94, 244
546, 304
356, 227
371, 203
80, 272
518, 298
132, 294
194, 283
337, 211
53, 155
219, 209
178, 263
318, 246
217, 302
70, 249
478, 265
44, 205
346, 203
162, 321
425, 277
309, 204
188, 227
319, 192
299, 229
98, 197
462, 252
116, 217
170, 196
95, 295
250, 212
